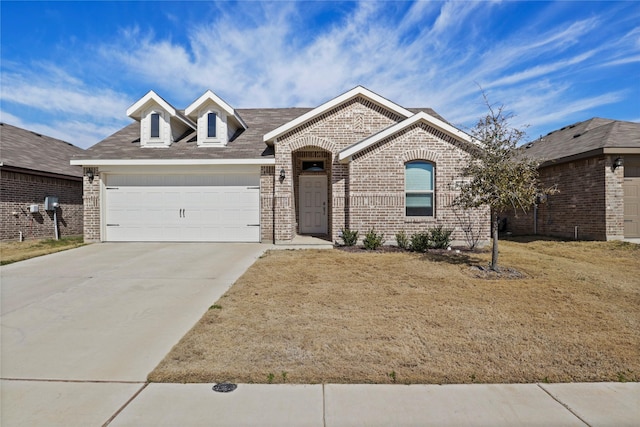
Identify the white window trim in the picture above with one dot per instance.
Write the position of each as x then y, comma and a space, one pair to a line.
151, 137
164, 140
432, 192
208, 115
204, 140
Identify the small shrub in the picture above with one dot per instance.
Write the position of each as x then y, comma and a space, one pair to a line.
402, 240
420, 242
350, 237
440, 237
373, 240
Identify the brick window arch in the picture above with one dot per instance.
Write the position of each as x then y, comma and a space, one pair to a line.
419, 188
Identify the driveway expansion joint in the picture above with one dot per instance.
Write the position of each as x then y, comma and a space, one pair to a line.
564, 405
113, 417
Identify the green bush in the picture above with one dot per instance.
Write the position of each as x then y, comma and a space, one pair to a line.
439, 237
350, 237
434, 238
402, 240
373, 240
420, 242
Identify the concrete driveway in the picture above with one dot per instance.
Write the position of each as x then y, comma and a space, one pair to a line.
81, 329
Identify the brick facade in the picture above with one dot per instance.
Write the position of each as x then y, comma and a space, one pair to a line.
376, 186
20, 190
332, 131
365, 192
369, 191
91, 198
267, 181
589, 202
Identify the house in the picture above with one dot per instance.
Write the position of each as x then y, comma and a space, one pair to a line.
214, 173
595, 165
34, 175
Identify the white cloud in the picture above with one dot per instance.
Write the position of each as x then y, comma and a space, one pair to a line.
67, 107
50, 88
427, 54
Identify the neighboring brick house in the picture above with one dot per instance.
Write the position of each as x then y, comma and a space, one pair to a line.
32, 168
214, 173
595, 165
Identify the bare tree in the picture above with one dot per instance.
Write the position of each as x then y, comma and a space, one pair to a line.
496, 176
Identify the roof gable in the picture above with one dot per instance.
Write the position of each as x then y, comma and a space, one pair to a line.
211, 98
137, 109
347, 154
358, 91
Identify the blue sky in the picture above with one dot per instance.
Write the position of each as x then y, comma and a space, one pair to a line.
71, 69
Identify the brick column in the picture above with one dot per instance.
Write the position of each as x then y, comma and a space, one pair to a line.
91, 196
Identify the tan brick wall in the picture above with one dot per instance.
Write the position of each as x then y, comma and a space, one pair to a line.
18, 191
369, 192
614, 200
267, 182
334, 130
376, 191
590, 198
91, 206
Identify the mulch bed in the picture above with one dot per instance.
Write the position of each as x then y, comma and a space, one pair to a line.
454, 253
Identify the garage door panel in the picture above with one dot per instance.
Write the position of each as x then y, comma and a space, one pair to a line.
182, 208
240, 234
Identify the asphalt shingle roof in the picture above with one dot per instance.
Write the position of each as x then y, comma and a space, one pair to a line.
125, 144
24, 149
582, 137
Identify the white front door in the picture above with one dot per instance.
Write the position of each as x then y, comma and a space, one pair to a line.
313, 204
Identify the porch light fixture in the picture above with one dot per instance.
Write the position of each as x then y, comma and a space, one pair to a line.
617, 163
282, 175
90, 175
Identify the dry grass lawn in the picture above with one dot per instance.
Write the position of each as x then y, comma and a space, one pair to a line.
19, 251
339, 317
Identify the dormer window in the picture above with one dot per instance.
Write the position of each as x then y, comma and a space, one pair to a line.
212, 127
155, 125
212, 119
216, 121
160, 123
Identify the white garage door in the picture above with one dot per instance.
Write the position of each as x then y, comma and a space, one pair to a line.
182, 208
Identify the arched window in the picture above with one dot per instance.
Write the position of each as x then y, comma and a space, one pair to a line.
418, 186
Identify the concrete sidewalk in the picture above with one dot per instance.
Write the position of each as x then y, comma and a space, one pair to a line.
81, 404
596, 404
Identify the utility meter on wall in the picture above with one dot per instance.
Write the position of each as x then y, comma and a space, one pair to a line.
50, 203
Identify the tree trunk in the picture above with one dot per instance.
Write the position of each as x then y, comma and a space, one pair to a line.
494, 252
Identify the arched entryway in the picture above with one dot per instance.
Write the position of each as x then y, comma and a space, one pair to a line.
312, 191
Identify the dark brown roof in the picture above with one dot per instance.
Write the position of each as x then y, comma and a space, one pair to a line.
584, 137
125, 144
24, 149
